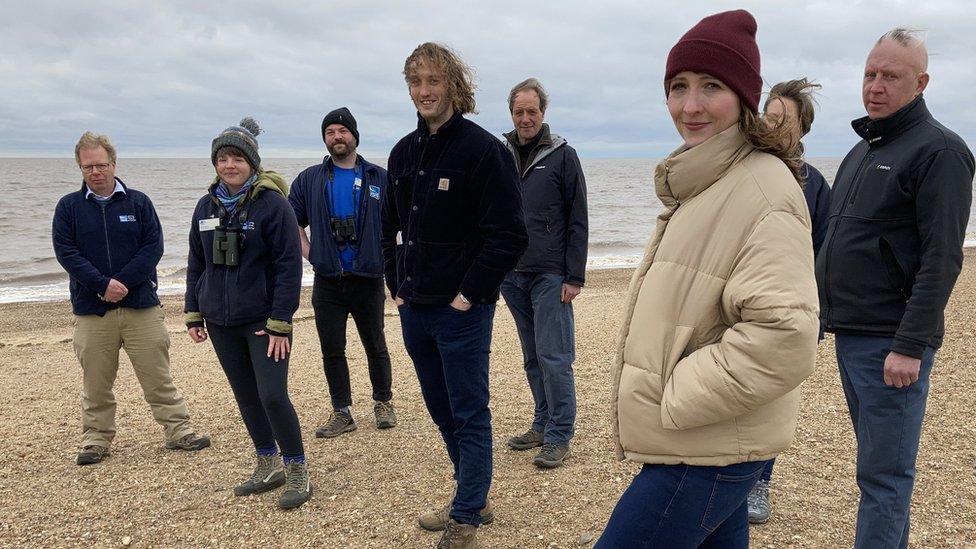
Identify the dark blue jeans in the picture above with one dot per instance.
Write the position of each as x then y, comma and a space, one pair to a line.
887, 425
545, 328
260, 386
684, 507
449, 349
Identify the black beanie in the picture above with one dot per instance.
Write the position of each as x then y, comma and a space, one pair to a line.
344, 117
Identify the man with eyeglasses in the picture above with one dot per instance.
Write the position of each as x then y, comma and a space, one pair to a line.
108, 238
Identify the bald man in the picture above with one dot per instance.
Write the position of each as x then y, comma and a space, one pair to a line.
891, 256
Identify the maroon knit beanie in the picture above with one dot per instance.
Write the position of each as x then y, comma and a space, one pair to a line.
724, 46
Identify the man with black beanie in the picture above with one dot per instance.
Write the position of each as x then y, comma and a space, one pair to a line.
340, 200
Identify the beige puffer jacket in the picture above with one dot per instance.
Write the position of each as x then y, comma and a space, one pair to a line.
721, 321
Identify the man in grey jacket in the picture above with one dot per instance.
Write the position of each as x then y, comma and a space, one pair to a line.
551, 272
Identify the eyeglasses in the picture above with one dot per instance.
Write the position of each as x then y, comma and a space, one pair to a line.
92, 167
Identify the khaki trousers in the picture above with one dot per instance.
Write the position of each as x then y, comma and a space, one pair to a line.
142, 333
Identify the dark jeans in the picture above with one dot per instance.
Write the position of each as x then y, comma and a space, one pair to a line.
449, 349
260, 386
545, 328
767, 473
334, 299
684, 506
887, 425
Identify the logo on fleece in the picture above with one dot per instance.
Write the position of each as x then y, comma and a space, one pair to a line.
127, 218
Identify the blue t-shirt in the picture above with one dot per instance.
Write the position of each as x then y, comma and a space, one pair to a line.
343, 192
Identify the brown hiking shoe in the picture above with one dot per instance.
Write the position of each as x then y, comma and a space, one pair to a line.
435, 521
191, 443
385, 415
459, 536
526, 441
339, 422
91, 454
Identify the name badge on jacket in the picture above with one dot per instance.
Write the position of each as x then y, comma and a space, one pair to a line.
209, 224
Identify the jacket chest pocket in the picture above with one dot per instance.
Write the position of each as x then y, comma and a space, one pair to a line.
447, 210
883, 192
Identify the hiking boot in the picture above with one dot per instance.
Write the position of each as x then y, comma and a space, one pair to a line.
758, 500
91, 454
191, 443
385, 415
459, 536
526, 441
435, 521
339, 422
268, 475
551, 455
298, 487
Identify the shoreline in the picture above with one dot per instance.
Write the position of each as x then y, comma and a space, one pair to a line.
169, 288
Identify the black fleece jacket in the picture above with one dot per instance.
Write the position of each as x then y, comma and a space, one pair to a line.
898, 219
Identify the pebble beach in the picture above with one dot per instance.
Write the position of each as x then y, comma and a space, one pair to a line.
370, 485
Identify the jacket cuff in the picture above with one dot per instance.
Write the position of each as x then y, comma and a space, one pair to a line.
193, 320
278, 328
575, 281
908, 347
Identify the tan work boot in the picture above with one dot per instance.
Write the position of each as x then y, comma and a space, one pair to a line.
435, 521
459, 536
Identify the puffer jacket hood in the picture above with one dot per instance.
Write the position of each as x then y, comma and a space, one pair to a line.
720, 326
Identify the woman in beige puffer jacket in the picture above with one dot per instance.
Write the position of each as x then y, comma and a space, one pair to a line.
721, 321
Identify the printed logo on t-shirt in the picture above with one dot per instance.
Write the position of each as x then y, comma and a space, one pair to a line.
127, 218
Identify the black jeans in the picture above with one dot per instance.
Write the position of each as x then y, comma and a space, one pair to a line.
334, 299
260, 386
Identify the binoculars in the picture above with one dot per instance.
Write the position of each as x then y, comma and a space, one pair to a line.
227, 244
344, 230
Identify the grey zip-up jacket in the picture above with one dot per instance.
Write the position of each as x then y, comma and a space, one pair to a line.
554, 203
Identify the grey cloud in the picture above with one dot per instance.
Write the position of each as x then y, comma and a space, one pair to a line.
164, 78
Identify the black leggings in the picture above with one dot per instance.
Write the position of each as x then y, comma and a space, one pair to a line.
260, 386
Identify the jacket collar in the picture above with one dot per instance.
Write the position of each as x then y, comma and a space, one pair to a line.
451, 125
119, 188
545, 141
362, 165
877, 131
689, 171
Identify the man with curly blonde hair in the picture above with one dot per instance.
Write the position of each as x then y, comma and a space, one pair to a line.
452, 229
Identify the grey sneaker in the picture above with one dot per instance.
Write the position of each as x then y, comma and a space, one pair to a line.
339, 422
459, 536
385, 415
298, 487
267, 475
551, 455
191, 443
91, 454
435, 521
526, 441
758, 500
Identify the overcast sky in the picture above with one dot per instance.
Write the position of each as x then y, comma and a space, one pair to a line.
163, 78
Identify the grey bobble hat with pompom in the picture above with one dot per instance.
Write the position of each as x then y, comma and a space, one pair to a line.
242, 137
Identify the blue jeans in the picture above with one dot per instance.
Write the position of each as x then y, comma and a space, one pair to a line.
684, 507
887, 425
449, 349
545, 328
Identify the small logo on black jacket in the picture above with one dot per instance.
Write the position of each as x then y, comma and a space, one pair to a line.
883, 167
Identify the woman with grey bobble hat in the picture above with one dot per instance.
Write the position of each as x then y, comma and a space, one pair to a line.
243, 281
